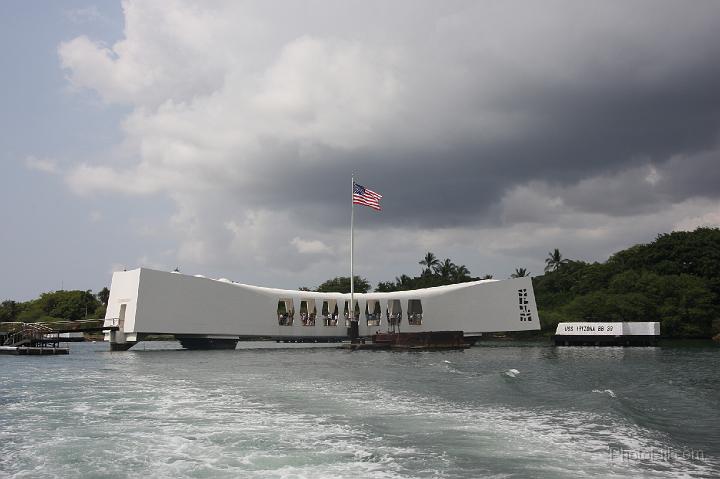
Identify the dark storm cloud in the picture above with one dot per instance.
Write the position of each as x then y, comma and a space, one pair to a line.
497, 127
615, 101
491, 96
569, 133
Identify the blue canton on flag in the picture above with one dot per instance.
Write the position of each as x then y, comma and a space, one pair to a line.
366, 197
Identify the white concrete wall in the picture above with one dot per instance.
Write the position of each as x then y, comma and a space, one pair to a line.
483, 307
609, 329
161, 302
641, 329
589, 329
123, 290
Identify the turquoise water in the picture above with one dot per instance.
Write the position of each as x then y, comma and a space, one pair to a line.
268, 410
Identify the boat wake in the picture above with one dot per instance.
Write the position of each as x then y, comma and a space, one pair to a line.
609, 392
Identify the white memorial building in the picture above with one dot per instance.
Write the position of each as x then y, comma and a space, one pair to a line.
215, 313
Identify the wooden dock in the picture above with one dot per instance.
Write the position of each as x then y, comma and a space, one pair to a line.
44, 338
32, 350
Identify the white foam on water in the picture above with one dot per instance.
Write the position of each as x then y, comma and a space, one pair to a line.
609, 392
574, 444
177, 432
245, 424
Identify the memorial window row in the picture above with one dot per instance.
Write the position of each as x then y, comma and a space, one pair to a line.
329, 312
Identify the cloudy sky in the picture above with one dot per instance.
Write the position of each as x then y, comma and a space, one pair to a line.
220, 136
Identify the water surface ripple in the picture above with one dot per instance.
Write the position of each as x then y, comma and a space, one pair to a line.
496, 410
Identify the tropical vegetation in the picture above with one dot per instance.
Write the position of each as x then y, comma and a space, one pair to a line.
554, 260
520, 273
674, 280
434, 272
57, 305
341, 284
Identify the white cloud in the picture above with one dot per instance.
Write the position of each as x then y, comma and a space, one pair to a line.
45, 165
310, 246
246, 116
653, 176
146, 261
708, 218
82, 15
96, 216
86, 178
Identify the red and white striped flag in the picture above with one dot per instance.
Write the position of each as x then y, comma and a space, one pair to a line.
366, 197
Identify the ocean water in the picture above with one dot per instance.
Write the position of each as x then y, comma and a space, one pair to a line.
266, 410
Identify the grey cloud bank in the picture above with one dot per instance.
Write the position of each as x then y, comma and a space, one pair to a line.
495, 130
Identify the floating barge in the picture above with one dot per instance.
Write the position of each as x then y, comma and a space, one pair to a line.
420, 341
607, 334
32, 350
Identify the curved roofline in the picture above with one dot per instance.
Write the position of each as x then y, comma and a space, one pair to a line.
333, 295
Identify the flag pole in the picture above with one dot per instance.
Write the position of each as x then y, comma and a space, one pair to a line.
351, 309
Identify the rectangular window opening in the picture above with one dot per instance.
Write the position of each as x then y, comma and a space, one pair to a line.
285, 312
415, 312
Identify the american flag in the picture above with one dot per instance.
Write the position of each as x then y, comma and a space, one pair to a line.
366, 197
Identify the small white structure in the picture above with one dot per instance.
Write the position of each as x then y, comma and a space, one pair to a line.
203, 312
69, 336
611, 333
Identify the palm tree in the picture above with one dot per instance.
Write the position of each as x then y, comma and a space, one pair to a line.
554, 260
446, 269
520, 273
461, 273
430, 261
403, 282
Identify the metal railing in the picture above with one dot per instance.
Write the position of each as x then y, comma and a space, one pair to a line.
21, 333
29, 334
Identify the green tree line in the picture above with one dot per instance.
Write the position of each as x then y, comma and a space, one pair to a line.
433, 273
56, 305
674, 280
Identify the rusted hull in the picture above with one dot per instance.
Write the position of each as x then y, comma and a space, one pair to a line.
207, 343
422, 341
